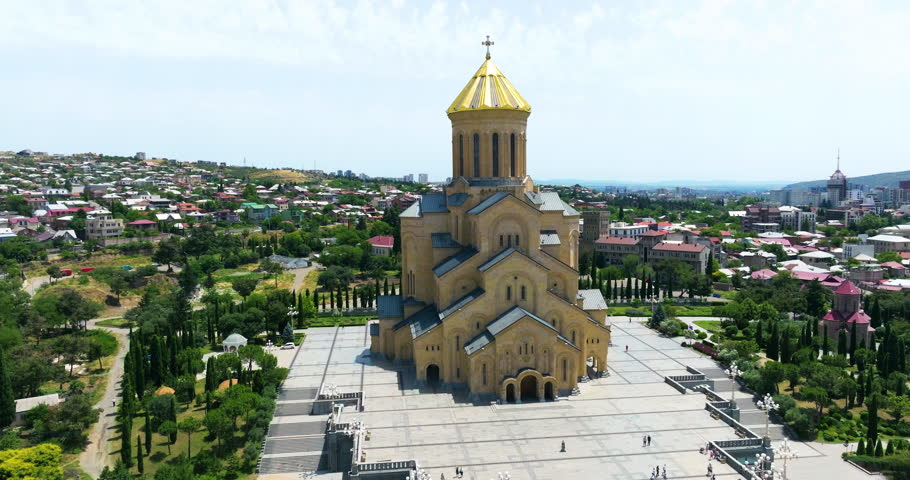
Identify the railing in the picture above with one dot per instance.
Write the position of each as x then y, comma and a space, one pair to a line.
382, 466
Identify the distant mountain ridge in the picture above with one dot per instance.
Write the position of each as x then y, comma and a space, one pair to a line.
889, 179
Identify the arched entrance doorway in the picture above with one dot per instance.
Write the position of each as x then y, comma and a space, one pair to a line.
529, 389
510, 393
548, 393
591, 367
432, 375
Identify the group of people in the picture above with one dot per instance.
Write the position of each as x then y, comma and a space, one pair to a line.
459, 472
646, 441
657, 473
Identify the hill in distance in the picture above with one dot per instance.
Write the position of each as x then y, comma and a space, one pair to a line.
889, 180
279, 176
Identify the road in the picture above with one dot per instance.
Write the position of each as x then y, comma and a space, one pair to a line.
31, 285
97, 453
299, 276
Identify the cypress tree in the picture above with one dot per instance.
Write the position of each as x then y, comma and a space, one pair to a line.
890, 449
126, 436
876, 314
853, 344
773, 349
758, 334
608, 288
385, 286
7, 398
210, 374
825, 345
148, 434
842, 342
861, 447
878, 449
785, 351
872, 422
861, 388
139, 464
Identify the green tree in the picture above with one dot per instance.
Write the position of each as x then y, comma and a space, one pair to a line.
818, 396
168, 252
244, 286
7, 398
898, 406
189, 426
167, 429
816, 299
140, 465
41, 462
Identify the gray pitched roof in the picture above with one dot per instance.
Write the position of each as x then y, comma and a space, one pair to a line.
433, 203
488, 202
456, 199
495, 259
444, 240
550, 202
421, 322
503, 322
455, 260
412, 211
388, 306
592, 299
461, 302
549, 237
502, 256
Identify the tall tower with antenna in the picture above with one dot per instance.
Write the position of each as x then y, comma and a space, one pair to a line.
837, 185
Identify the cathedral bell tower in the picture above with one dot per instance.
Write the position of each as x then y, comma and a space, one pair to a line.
489, 123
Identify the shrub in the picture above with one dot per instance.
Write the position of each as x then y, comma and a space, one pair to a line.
701, 335
801, 423
703, 348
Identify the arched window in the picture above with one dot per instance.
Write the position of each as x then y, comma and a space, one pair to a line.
457, 342
516, 240
512, 155
523, 293
573, 336
461, 155
476, 154
483, 369
564, 369
508, 292
495, 154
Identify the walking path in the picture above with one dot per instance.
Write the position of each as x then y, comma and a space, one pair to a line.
97, 453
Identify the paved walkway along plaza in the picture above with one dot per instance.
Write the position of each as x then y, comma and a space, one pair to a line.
602, 427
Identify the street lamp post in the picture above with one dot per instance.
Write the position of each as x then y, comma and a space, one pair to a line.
733, 372
763, 468
786, 453
767, 404
292, 312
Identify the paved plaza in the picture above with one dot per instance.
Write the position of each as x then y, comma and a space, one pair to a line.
602, 427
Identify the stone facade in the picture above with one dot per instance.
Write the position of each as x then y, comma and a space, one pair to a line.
490, 298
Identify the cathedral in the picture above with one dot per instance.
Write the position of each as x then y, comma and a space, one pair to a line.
489, 270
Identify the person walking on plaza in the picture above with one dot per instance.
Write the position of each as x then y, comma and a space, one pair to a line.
627, 349
649, 440
644, 441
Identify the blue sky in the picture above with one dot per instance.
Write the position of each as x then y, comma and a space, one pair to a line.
620, 91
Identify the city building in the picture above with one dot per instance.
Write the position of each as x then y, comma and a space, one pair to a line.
837, 186
382, 245
101, 225
423, 178
755, 214
889, 243
797, 220
594, 224
490, 299
626, 230
694, 255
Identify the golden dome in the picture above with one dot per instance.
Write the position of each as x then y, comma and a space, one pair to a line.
165, 390
489, 89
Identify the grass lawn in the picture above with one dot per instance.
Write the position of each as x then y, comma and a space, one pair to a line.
71, 467
680, 310
344, 321
712, 326
728, 294
89, 288
309, 282
116, 323
97, 261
